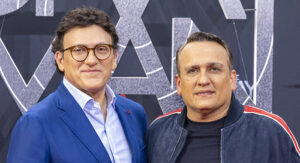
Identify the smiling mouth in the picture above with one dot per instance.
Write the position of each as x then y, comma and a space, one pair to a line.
204, 93
91, 71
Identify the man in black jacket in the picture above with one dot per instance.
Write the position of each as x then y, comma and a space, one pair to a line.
214, 127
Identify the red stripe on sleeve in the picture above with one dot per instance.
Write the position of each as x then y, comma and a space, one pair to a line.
170, 113
249, 109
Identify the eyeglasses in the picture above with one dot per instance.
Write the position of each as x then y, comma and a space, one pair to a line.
80, 52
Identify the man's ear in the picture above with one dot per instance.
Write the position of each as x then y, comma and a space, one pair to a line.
178, 84
59, 58
233, 80
115, 59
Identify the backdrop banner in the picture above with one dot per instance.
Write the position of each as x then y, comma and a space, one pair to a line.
262, 35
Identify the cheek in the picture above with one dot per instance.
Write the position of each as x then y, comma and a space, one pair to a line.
71, 67
109, 66
225, 86
220, 80
188, 85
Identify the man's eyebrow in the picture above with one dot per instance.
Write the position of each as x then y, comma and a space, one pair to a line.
191, 67
83, 44
216, 64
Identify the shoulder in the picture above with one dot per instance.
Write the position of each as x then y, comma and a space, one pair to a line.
165, 118
39, 112
29, 128
43, 107
34, 118
169, 115
271, 123
162, 125
268, 118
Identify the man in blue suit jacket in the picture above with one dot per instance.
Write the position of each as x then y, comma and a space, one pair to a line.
83, 120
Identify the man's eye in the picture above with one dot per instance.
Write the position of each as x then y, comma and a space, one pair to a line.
190, 71
78, 49
214, 69
102, 49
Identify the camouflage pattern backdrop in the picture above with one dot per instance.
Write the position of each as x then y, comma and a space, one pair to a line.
263, 36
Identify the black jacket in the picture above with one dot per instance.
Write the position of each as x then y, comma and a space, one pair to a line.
250, 135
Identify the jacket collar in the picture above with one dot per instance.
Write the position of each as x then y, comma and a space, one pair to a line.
182, 117
82, 98
235, 111
75, 119
126, 116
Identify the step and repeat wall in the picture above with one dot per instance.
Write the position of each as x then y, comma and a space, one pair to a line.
263, 36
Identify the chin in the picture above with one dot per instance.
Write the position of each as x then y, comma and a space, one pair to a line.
204, 106
94, 81
93, 85
92, 90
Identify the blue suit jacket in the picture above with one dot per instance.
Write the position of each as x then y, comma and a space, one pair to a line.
57, 130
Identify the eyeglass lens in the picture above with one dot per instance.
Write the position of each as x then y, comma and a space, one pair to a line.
80, 52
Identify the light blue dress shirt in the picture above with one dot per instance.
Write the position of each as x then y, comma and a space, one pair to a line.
109, 131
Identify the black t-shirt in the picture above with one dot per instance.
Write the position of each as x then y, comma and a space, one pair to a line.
202, 143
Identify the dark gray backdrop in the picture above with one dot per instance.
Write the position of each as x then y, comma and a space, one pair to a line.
150, 32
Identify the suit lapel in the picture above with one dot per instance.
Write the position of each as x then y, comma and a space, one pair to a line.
75, 119
125, 117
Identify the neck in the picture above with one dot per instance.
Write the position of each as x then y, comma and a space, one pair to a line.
101, 98
98, 95
207, 115
104, 107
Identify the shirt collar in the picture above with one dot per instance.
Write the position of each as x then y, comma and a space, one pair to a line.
111, 97
82, 98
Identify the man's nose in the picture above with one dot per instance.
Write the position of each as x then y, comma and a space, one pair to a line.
91, 58
203, 79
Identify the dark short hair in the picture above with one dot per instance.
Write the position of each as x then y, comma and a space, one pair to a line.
84, 17
201, 37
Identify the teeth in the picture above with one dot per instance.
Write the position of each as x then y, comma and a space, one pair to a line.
204, 93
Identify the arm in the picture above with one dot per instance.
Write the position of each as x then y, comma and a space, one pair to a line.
294, 154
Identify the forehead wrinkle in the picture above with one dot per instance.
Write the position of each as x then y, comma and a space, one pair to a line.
215, 64
206, 64
93, 45
90, 38
184, 46
191, 66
